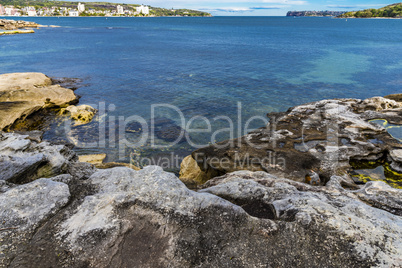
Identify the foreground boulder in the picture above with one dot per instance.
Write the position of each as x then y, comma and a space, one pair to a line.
148, 218
323, 137
22, 94
82, 217
24, 158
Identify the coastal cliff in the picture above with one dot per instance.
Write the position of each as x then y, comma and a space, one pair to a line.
390, 11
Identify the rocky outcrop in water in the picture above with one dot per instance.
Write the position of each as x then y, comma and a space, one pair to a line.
27, 94
324, 136
82, 114
14, 25
22, 94
78, 216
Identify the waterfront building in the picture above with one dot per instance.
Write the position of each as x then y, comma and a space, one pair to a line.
143, 9
81, 7
31, 12
73, 13
120, 10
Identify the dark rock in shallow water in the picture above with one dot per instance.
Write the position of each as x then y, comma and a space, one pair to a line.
309, 137
66, 82
171, 133
163, 128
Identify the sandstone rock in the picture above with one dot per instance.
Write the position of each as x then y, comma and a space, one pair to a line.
326, 208
16, 169
24, 160
17, 32
26, 205
98, 161
324, 136
108, 165
92, 158
22, 94
379, 104
24, 208
395, 158
13, 25
395, 97
244, 219
190, 172
82, 114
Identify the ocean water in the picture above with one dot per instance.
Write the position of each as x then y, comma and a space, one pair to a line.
218, 72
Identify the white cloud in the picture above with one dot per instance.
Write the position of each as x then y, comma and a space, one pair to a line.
355, 6
285, 2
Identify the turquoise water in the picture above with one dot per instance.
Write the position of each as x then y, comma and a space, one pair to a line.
205, 66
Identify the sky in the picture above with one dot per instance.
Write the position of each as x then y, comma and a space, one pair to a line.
262, 7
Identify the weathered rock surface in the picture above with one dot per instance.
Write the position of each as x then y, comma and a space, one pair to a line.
92, 158
98, 161
58, 212
148, 218
190, 172
19, 24
22, 94
82, 114
23, 160
323, 136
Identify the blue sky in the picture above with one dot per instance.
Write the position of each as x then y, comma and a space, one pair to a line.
262, 7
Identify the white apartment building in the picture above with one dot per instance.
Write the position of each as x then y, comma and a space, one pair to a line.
143, 9
120, 10
2, 11
81, 7
31, 12
10, 11
73, 13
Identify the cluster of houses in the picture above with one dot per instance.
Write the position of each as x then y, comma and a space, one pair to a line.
64, 11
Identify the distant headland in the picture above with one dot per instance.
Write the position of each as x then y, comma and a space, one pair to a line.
390, 11
46, 8
306, 13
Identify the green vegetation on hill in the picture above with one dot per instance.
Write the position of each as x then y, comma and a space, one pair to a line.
391, 11
101, 6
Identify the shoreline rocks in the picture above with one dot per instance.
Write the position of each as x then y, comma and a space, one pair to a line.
9, 27
25, 94
80, 216
59, 212
16, 24
82, 114
322, 136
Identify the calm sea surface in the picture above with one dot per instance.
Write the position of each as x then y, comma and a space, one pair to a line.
205, 67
